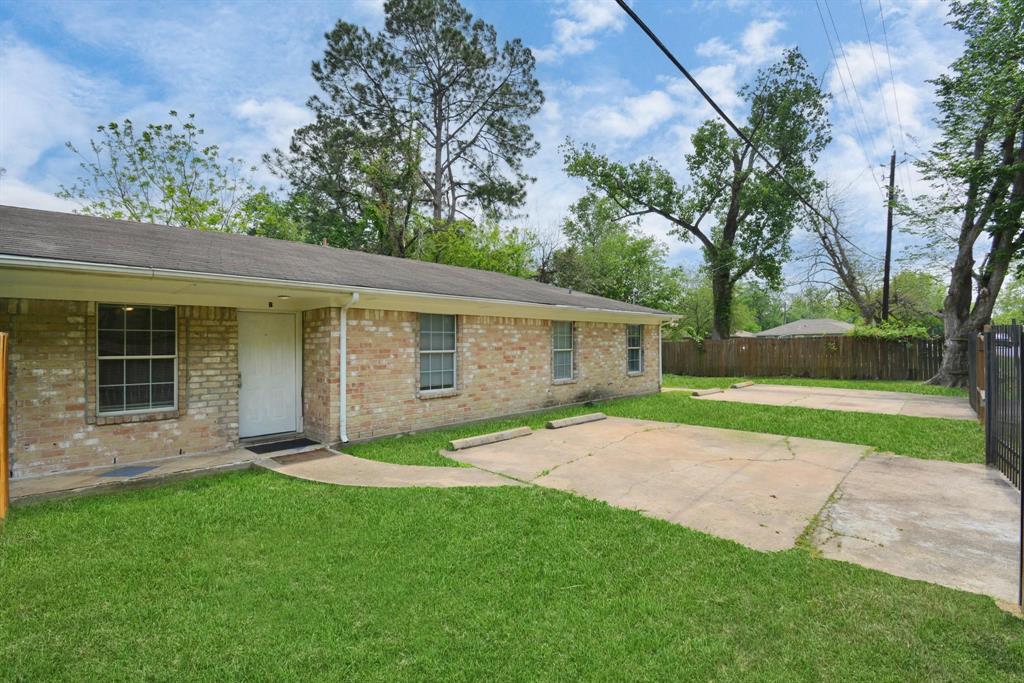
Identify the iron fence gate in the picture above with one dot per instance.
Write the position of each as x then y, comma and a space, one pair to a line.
1003, 398
1003, 381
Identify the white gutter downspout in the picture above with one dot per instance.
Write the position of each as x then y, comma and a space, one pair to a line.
661, 356
343, 370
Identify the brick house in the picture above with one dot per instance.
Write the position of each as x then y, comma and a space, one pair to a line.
133, 342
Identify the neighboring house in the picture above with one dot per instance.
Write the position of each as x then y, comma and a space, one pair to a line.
134, 341
743, 334
809, 327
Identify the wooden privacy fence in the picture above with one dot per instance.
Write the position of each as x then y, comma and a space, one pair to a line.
838, 357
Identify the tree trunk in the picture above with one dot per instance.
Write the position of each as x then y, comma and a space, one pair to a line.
721, 294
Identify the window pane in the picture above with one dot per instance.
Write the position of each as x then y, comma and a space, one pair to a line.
111, 399
448, 323
448, 341
563, 365
136, 397
163, 318
162, 370
111, 343
634, 336
447, 379
635, 363
136, 317
136, 371
447, 361
111, 317
137, 343
111, 372
163, 343
563, 335
163, 395
424, 379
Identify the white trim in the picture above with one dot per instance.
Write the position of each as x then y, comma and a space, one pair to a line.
661, 366
59, 264
343, 370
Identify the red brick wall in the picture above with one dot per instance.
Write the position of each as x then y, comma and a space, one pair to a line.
321, 372
52, 364
504, 367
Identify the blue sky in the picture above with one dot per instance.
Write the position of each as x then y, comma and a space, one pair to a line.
243, 69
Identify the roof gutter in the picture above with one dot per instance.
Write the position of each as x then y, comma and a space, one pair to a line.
140, 271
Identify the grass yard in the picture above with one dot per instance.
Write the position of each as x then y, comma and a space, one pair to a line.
253, 575
930, 438
907, 386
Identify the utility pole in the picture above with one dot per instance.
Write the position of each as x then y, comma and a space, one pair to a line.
888, 236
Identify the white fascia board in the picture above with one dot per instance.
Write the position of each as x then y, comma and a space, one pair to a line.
374, 298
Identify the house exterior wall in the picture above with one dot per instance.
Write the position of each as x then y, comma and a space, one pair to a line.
52, 393
321, 373
504, 367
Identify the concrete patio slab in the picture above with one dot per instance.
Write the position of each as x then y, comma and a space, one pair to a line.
99, 479
856, 400
340, 468
758, 489
948, 523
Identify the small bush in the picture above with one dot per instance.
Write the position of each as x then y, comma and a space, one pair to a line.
892, 331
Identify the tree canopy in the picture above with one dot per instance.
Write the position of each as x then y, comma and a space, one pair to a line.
428, 117
741, 210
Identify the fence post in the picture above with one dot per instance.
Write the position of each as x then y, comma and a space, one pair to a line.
5, 493
990, 388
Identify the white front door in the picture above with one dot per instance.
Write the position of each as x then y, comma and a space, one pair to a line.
267, 365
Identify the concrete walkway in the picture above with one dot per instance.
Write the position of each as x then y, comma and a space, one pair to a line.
758, 489
947, 523
856, 400
333, 467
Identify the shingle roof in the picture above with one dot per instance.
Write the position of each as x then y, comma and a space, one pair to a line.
809, 327
70, 237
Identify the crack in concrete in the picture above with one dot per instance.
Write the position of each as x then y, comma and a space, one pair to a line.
607, 445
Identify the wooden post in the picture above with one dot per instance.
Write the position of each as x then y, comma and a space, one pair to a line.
5, 492
888, 235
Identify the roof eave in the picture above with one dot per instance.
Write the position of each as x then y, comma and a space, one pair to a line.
16, 261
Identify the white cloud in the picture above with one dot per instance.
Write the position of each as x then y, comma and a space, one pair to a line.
575, 28
275, 119
633, 117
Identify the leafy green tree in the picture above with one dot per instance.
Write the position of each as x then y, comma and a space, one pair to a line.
1011, 302
442, 81
976, 170
751, 210
609, 257
484, 247
161, 173
916, 300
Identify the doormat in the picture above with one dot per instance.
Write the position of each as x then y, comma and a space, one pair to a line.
280, 446
129, 471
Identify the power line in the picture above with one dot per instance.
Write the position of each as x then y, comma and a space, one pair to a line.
772, 168
878, 78
853, 82
895, 97
846, 95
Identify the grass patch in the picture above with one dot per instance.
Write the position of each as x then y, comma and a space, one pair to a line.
919, 437
906, 386
253, 575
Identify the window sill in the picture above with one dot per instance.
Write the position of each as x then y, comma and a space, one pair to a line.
571, 380
128, 418
436, 393
635, 374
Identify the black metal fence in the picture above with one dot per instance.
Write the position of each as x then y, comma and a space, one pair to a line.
1004, 407
997, 375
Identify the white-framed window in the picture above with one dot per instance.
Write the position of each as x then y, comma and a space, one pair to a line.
136, 358
635, 348
437, 352
562, 349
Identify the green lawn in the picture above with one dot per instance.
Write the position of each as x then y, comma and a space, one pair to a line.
955, 440
908, 386
253, 575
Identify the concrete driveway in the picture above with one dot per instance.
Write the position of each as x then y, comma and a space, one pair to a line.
946, 523
758, 489
857, 400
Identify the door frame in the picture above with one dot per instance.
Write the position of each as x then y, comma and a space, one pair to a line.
297, 317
